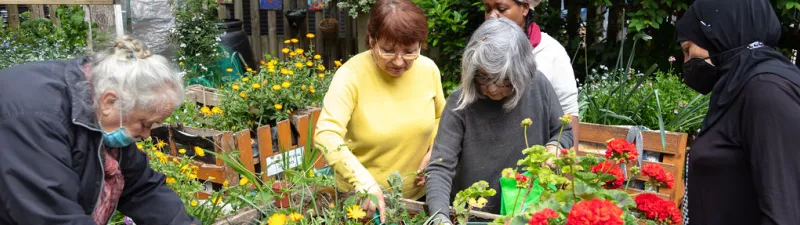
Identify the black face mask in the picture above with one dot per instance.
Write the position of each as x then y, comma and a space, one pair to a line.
700, 75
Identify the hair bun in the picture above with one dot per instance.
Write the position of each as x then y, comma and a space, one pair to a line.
130, 48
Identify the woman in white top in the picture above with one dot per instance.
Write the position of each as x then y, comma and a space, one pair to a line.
550, 57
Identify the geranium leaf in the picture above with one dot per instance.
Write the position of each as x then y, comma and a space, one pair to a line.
586, 175
518, 220
622, 199
607, 177
583, 189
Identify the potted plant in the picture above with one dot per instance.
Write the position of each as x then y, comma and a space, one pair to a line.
330, 28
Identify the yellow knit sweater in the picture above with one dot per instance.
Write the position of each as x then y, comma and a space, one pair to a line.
373, 124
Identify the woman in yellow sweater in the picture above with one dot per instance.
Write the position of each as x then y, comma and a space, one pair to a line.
383, 105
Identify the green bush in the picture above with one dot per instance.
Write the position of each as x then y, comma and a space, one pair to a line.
619, 98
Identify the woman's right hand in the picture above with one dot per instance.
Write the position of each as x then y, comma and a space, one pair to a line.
370, 206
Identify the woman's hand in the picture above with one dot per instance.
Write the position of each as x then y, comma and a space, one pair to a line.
370, 206
420, 179
551, 149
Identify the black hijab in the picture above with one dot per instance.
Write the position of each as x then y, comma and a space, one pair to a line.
728, 29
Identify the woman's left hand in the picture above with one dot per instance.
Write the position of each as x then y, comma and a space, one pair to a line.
552, 149
420, 179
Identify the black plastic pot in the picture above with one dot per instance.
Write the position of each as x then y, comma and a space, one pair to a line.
235, 39
295, 17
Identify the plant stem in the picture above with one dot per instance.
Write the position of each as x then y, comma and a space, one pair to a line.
525, 132
514, 211
525, 198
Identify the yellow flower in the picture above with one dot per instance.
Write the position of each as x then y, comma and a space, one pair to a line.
321, 76
310, 174
244, 95
295, 217
278, 106
271, 69
170, 180
233, 127
225, 184
299, 51
182, 151
291, 72
566, 119
287, 41
216, 110
284, 71
216, 200
210, 178
192, 176
277, 219
249, 69
309, 64
245, 79
256, 86
180, 63
161, 144
294, 40
249, 122
309, 35
321, 67
317, 57
175, 160
311, 89
299, 65
140, 146
153, 148
206, 111
276, 87
337, 63
243, 181
292, 54
355, 212
199, 151
229, 70
285, 50
193, 203
286, 84
303, 88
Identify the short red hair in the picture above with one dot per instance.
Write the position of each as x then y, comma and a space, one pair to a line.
397, 22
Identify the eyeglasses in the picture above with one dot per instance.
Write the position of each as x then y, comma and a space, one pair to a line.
389, 56
485, 80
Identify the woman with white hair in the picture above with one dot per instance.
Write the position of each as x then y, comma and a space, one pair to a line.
479, 132
67, 134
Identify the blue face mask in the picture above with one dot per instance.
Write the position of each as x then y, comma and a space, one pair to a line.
118, 138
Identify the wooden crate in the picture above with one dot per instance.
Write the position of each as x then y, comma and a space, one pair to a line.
202, 95
593, 139
241, 141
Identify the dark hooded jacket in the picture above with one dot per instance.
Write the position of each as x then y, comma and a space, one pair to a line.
50, 144
743, 166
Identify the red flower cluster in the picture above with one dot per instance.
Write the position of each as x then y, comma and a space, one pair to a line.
541, 217
657, 208
595, 212
621, 150
657, 173
607, 167
521, 178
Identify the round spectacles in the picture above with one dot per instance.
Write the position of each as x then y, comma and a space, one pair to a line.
389, 56
485, 80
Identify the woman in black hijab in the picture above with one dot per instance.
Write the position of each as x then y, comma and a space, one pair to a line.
744, 166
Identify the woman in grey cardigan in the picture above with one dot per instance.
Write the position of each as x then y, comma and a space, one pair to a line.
479, 132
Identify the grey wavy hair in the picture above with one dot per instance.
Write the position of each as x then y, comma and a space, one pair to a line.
499, 48
141, 80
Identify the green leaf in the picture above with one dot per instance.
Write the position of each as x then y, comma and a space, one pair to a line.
607, 177
519, 220
622, 199
661, 123
586, 176
583, 189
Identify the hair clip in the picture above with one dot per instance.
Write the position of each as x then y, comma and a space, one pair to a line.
484, 37
133, 56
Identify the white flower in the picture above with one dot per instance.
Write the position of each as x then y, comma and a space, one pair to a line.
183, 45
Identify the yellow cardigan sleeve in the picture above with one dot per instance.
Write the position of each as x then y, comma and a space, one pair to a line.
439, 102
337, 109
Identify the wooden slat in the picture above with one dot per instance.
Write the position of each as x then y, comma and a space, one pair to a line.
679, 160
264, 148
349, 33
238, 10
272, 33
255, 25
13, 15
318, 41
635, 192
37, 11
244, 145
203, 95
225, 144
284, 136
264, 39
287, 30
54, 15
59, 2
301, 33
652, 139
222, 11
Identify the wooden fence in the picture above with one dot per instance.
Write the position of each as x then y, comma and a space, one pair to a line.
266, 35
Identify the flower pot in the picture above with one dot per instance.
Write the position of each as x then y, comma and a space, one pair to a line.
329, 28
295, 17
282, 201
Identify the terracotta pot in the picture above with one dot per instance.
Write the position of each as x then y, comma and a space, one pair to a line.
330, 28
282, 201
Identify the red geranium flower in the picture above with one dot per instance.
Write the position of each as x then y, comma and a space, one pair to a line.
595, 212
541, 217
621, 150
607, 167
657, 174
658, 209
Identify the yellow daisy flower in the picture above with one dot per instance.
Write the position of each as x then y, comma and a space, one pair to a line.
243, 181
256, 86
277, 219
199, 151
276, 87
317, 57
286, 84
310, 35
278, 106
355, 212
244, 95
182, 151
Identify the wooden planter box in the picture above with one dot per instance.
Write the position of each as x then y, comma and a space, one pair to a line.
226, 141
593, 137
244, 216
202, 95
